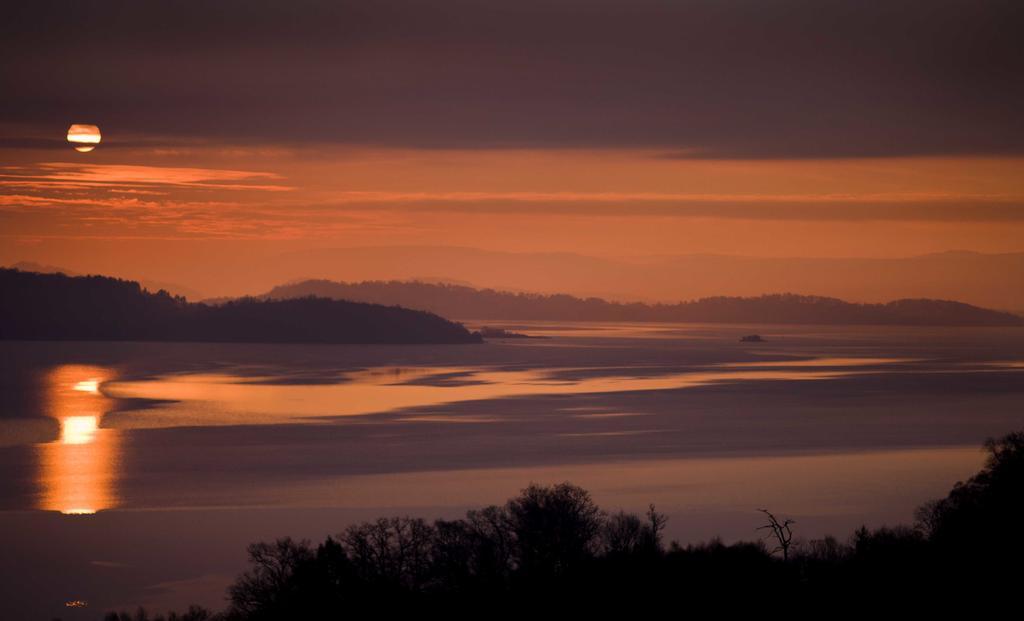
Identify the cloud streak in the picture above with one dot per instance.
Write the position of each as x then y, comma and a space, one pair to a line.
64, 175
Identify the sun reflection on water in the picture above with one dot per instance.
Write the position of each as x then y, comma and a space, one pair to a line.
78, 429
77, 473
89, 385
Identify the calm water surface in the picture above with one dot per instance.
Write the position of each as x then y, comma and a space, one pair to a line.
136, 472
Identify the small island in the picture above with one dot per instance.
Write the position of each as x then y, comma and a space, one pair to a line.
488, 332
751, 338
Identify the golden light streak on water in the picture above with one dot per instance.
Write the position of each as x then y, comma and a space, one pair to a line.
78, 469
208, 399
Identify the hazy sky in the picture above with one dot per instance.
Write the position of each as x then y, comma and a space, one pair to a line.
767, 128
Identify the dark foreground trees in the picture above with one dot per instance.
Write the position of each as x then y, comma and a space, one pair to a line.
551, 550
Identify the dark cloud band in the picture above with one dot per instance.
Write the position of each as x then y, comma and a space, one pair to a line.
747, 79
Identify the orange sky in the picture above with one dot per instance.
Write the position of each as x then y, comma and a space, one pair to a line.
56, 204
235, 132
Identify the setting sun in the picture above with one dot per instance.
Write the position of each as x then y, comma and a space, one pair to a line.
84, 137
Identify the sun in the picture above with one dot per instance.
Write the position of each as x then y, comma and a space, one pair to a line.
84, 137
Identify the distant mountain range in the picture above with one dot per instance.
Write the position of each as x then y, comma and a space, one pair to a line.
59, 307
986, 280
469, 303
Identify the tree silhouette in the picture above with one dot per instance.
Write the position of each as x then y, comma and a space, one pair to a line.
552, 544
556, 528
780, 532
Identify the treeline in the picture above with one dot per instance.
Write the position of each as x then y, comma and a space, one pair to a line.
59, 307
552, 549
470, 303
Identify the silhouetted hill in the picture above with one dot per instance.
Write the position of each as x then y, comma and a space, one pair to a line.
61, 307
151, 285
466, 302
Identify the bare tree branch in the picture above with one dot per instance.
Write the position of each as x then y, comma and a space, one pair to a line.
780, 531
